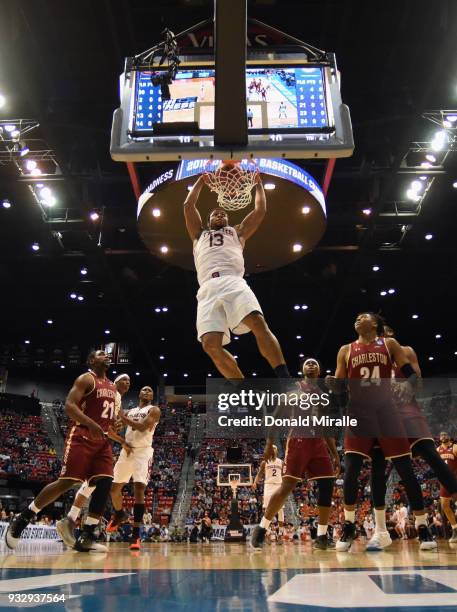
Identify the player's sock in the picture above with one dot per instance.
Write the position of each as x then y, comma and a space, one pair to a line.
349, 515
321, 530
380, 520
282, 371
421, 520
74, 513
91, 521
34, 508
265, 523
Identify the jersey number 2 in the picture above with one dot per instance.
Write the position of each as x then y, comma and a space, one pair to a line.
216, 240
367, 380
108, 410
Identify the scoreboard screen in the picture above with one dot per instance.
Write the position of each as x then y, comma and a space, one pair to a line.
277, 98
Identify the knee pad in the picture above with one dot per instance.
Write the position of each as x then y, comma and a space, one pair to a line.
378, 478
352, 466
325, 492
404, 467
100, 495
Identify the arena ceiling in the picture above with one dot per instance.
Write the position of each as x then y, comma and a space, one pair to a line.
59, 65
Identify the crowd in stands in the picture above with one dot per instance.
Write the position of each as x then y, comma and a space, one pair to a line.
26, 451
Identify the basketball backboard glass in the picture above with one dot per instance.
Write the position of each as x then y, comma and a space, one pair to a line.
230, 473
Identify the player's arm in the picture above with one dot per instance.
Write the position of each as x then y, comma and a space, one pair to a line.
335, 383
398, 355
260, 475
252, 221
82, 386
413, 360
192, 216
147, 423
112, 435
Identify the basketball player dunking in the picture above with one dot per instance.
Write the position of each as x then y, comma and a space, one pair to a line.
225, 301
422, 445
271, 472
305, 458
88, 453
66, 526
367, 363
141, 423
448, 453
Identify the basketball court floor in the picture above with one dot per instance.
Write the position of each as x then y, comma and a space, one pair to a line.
223, 577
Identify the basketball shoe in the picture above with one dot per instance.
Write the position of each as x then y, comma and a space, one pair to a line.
379, 541
425, 538
86, 543
66, 529
453, 538
258, 537
135, 544
120, 516
323, 542
15, 529
347, 537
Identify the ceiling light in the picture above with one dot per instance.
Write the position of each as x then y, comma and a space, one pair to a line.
428, 236
415, 316
31, 165
137, 373
189, 187
367, 211
447, 124
6, 204
94, 216
113, 371
15, 134
375, 268
62, 367
164, 309
301, 355
73, 296
431, 358
296, 307
45, 193
391, 291
306, 210
297, 248
35, 246
451, 118
162, 357
2, 100
431, 158
235, 356
383, 293
157, 309
437, 336
423, 178
164, 249
298, 337
439, 140
254, 373
416, 185
299, 373
80, 298
49, 321
236, 338
304, 307
411, 194
426, 165
165, 374
156, 212
9, 127
454, 185
83, 271
107, 332
26, 341
328, 371
24, 150
186, 375
209, 375
35, 172
269, 186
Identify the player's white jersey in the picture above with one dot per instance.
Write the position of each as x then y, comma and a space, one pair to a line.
139, 439
273, 472
218, 253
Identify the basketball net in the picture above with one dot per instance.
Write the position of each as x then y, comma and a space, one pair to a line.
233, 185
235, 482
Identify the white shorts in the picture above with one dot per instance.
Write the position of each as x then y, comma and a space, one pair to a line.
223, 302
138, 464
268, 491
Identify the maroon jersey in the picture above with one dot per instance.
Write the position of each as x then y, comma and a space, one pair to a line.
447, 455
99, 404
369, 361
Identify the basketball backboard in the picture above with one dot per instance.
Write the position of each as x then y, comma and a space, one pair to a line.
230, 473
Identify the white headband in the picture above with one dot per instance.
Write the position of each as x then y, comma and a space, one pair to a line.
120, 377
311, 359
